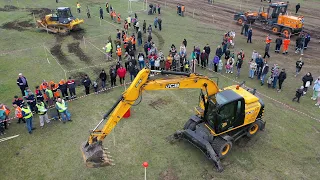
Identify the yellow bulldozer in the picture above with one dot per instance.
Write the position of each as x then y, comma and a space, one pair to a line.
61, 22
275, 19
222, 116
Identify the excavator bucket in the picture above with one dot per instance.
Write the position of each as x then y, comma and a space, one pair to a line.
94, 155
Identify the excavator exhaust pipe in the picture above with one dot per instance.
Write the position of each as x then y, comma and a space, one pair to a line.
94, 155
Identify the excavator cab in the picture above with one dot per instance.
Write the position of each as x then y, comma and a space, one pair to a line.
63, 15
274, 11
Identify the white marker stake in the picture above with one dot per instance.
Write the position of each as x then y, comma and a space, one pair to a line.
145, 173
45, 51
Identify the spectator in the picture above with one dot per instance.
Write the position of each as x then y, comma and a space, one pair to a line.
2, 120
227, 54
159, 8
63, 86
95, 87
160, 23
137, 26
62, 107
157, 63
316, 89
183, 50
252, 68
6, 113
42, 112
216, 61
18, 113
299, 65
266, 50
155, 22
103, 77
278, 44
184, 42
275, 75
86, 83
219, 52
150, 29
282, 77
131, 69
72, 88
162, 61
249, 36
39, 94
299, 93
297, 7
204, 59
18, 101
121, 72
239, 64
27, 115
207, 50
254, 55
107, 7
113, 76
246, 29
22, 83
31, 101
101, 13
264, 72
50, 96
307, 82
307, 40
88, 12
139, 37
230, 64
220, 66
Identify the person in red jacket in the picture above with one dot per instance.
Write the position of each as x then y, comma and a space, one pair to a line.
121, 72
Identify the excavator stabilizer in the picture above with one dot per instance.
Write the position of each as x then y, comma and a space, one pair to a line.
94, 155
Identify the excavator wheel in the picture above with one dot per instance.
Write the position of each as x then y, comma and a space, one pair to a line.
240, 21
275, 29
190, 124
221, 146
286, 32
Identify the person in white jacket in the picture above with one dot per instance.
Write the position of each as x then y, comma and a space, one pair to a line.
254, 55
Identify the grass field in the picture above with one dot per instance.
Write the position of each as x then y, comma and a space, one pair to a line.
287, 149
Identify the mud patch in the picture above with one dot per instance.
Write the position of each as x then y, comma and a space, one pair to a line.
158, 103
160, 38
40, 12
78, 76
75, 48
8, 8
17, 25
168, 174
60, 56
78, 34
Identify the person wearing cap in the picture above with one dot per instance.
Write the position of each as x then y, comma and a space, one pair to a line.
281, 78
42, 112
18, 113
62, 107
22, 83
27, 115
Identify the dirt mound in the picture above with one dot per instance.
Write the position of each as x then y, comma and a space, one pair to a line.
40, 12
75, 48
61, 57
8, 8
168, 174
78, 76
17, 25
78, 34
158, 103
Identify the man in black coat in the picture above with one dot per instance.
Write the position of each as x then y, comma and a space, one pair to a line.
204, 59
297, 7
278, 44
207, 50
282, 76
219, 52
103, 77
86, 83
113, 75
160, 23
22, 83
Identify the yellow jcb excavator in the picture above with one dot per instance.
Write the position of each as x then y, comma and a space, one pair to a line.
223, 116
61, 22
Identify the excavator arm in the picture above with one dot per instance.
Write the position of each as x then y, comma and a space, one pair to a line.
93, 152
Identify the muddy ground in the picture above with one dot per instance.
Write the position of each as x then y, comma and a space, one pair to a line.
17, 25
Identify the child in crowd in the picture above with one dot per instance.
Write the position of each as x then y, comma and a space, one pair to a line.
95, 86
299, 93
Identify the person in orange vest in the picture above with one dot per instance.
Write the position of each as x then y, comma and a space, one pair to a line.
133, 40
119, 53
182, 10
286, 43
111, 14
7, 112
78, 7
63, 87
43, 86
114, 16
54, 88
268, 39
119, 18
126, 41
126, 26
18, 113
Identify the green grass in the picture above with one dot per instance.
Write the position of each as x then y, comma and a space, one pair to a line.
287, 149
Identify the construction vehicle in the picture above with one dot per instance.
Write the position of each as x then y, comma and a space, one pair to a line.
274, 19
223, 116
61, 22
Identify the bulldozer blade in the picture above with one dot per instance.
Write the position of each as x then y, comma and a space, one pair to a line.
95, 156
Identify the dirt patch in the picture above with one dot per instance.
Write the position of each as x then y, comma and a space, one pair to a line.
75, 48
60, 56
8, 8
168, 174
40, 12
158, 103
78, 76
160, 38
17, 25
78, 34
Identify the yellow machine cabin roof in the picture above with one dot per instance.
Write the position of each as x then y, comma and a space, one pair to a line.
248, 97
